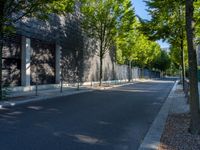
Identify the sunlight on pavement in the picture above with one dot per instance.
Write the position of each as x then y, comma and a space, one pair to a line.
15, 113
152, 146
104, 123
131, 90
87, 139
35, 107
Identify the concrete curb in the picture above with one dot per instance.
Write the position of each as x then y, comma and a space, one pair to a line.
152, 138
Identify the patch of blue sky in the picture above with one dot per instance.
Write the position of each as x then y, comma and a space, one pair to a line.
140, 10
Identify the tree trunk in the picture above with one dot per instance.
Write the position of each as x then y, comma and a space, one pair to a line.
182, 62
181, 45
192, 60
101, 71
113, 71
2, 3
101, 64
1, 47
129, 71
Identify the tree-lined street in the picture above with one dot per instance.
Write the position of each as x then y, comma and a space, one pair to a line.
115, 119
73, 45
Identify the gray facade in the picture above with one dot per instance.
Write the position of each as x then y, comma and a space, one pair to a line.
48, 51
11, 60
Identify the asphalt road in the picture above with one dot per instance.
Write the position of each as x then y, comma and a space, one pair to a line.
115, 119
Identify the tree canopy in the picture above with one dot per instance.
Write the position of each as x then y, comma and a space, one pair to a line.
162, 62
105, 20
168, 23
137, 48
11, 11
197, 19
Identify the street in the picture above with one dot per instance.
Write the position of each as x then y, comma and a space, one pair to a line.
114, 119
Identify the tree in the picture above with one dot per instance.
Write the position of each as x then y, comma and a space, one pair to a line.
11, 11
125, 43
126, 39
197, 18
162, 62
136, 48
102, 19
176, 57
168, 23
194, 93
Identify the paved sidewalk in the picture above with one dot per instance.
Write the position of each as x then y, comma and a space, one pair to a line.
179, 102
17, 98
26, 97
175, 103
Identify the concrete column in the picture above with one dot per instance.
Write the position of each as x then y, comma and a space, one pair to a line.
25, 66
58, 64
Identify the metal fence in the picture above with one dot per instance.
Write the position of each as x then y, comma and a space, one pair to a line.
123, 72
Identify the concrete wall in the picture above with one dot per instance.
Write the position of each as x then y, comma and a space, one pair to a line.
71, 57
79, 60
11, 59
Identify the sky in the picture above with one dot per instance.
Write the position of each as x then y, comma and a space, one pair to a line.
140, 10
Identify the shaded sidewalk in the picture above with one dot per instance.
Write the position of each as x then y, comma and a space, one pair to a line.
176, 103
176, 135
17, 98
30, 96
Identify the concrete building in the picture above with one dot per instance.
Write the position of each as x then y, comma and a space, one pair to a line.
41, 51
44, 52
